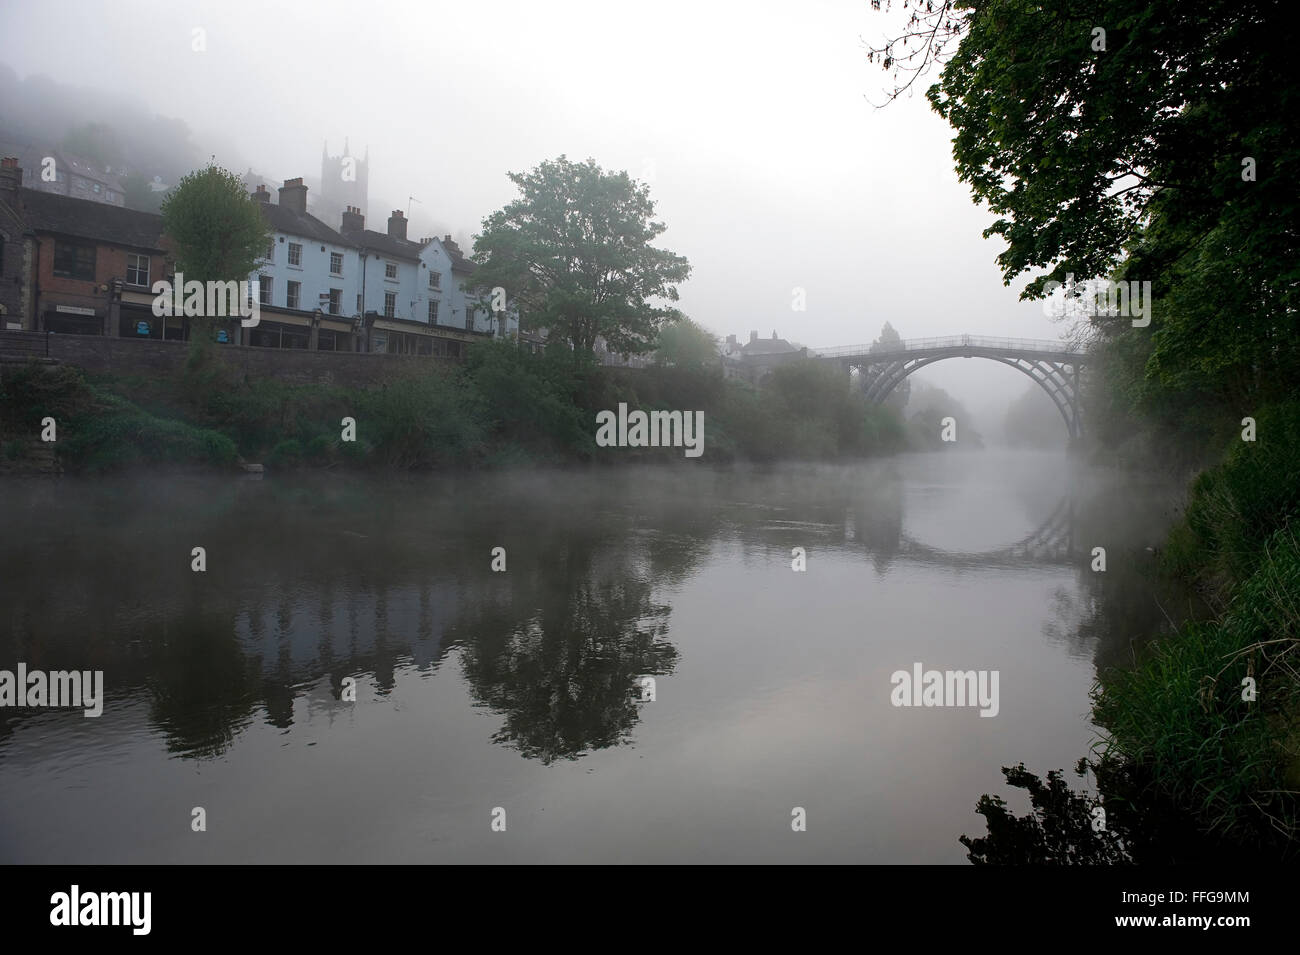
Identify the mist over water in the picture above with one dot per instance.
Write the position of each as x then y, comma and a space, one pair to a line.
522, 689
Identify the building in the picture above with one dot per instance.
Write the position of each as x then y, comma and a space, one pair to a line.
309, 281
17, 251
344, 181
83, 266
757, 357
73, 266
73, 175
394, 295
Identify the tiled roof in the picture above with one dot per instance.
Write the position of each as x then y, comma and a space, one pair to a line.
385, 244
85, 219
768, 346
283, 219
458, 261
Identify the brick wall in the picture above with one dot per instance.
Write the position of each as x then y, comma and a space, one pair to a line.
126, 356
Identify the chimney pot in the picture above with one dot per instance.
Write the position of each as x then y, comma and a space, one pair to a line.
293, 195
353, 220
397, 225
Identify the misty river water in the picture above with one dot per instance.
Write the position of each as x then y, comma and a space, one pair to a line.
479, 690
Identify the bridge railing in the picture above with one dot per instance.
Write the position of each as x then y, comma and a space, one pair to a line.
954, 341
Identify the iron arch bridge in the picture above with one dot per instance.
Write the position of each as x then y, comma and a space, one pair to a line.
1053, 365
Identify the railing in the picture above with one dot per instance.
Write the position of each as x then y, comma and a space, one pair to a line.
955, 341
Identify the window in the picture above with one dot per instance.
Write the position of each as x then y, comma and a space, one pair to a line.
291, 295
433, 311
379, 342
336, 297
97, 188
336, 263
469, 316
137, 269
74, 261
270, 250
390, 270
265, 284
435, 279
295, 254
390, 305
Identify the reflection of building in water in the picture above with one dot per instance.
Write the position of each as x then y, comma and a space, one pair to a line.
304, 636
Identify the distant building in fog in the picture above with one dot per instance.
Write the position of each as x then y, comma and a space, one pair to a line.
344, 182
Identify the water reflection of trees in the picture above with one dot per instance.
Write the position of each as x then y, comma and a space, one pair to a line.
319, 580
560, 661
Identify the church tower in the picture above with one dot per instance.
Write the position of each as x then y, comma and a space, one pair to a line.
344, 181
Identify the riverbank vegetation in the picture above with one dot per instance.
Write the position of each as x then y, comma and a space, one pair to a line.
1142, 143
503, 407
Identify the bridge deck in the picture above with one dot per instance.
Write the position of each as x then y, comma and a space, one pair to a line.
954, 343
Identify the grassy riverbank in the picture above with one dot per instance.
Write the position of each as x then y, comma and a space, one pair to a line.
1208, 716
503, 407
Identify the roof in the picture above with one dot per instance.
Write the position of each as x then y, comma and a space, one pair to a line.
84, 167
385, 244
458, 261
286, 220
87, 219
768, 346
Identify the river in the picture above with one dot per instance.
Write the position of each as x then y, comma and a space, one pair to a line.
649, 679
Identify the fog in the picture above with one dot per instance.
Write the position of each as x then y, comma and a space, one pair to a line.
753, 123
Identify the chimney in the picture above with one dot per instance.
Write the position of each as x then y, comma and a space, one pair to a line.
11, 178
753, 337
262, 195
452, 246
397, 225
293, 195
774, 334
353, 220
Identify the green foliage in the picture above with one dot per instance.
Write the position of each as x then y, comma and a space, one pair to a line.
421, 422
686, 344
802, 410
139, 195
1180, 712
574, 255
218, 233
528, 400
118, 435
1235, 507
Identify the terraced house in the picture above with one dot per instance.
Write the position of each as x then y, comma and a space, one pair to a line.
72, 266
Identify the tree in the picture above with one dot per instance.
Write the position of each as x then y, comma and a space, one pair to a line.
897, 399
574, 255
96, 142
217, 232
686, 344
139, 195
1137, 139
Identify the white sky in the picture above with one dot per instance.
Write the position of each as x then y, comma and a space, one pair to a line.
770, 166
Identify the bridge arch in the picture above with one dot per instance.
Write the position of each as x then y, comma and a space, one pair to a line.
1053, 366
